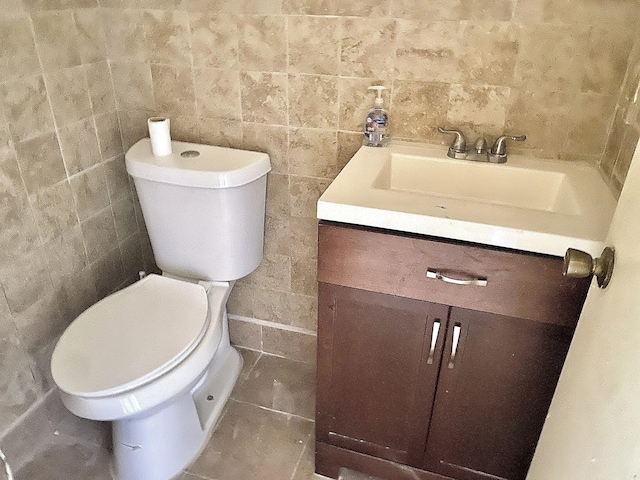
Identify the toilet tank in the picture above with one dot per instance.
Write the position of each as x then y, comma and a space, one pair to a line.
204, 208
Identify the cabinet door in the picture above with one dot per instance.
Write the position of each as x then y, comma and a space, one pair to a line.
493, 396
377, 371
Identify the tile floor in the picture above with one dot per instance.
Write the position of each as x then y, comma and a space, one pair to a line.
265, 433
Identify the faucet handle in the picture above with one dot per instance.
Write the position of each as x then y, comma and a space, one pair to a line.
500, 146
498, 152
458, 148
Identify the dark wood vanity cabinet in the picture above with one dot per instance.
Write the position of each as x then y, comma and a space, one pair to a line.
419, 378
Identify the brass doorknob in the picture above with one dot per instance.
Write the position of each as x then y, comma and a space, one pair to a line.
579, 264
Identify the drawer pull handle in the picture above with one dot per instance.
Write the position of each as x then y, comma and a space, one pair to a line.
478, 282
434, 339
454, 345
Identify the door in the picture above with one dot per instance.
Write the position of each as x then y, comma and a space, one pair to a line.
493, 394
376, 370
593, 428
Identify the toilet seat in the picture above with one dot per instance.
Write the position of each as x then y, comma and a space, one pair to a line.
130, 337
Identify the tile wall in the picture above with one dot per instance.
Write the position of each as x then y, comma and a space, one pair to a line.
289, 77
68, 229
78, 78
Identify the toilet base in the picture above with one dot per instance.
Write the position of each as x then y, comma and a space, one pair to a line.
160, 445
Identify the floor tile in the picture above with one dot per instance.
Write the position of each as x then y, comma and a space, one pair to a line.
281, 384
67, 459
252, 443
306, 467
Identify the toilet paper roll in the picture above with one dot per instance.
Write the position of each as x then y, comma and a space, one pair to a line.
160, 136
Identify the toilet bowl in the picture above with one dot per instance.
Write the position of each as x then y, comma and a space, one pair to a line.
154, 358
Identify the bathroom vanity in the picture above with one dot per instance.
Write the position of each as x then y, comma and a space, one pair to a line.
438, 353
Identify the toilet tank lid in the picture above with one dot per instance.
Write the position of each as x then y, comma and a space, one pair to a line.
130, 337
213, 167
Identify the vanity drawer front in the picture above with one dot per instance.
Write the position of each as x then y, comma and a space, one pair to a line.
519, 284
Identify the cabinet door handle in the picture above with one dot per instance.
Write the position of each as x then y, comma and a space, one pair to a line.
454, 345
434, 338
478, 282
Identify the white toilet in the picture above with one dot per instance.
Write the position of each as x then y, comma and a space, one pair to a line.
155, 358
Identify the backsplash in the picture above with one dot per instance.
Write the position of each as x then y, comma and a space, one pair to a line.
78, 79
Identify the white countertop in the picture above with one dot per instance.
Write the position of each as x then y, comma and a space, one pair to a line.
363, 194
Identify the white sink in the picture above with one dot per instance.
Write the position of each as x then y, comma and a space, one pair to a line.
543, 206
517, 187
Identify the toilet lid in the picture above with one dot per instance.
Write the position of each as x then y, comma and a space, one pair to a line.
130, 337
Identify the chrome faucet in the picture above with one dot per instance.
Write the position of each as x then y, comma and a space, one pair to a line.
498, 152
479, 153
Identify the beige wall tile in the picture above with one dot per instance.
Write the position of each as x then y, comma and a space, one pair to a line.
103, 99
133, 85
588, 124
125, 219
245, 334
483, 107
551, 57
19, 233
18, 57
221, 132
10, 180
289, 344
26, 107
25, 280
99, 234
278, 195
40, 161
304, 193
65, 255
273, 273
314, 45
79, 144
91, 38
488, 52
214, 39
262, 43
313, 101
272, 139
313, 152
55, 210
606, 62
132, 260
277, 235
368, 47
126, 34
109, 138
264, 97
309, 7
117, 178
241, 303
173, 90
419, 107
434, 10
56, 39
218, 93
69, 95
90, 192
348, 145
133, 126
18, 390
499, 10
185, 128
167, 36
428, 51
108, 272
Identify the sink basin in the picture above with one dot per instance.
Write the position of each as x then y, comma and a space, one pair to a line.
541, 190
542, 206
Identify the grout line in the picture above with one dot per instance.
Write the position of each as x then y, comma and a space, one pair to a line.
273, 410
278, 326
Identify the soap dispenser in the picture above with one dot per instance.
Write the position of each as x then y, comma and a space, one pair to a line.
376, 126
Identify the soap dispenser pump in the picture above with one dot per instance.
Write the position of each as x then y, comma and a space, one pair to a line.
376, 126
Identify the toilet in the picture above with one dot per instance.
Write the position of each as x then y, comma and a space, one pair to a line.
154, 358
